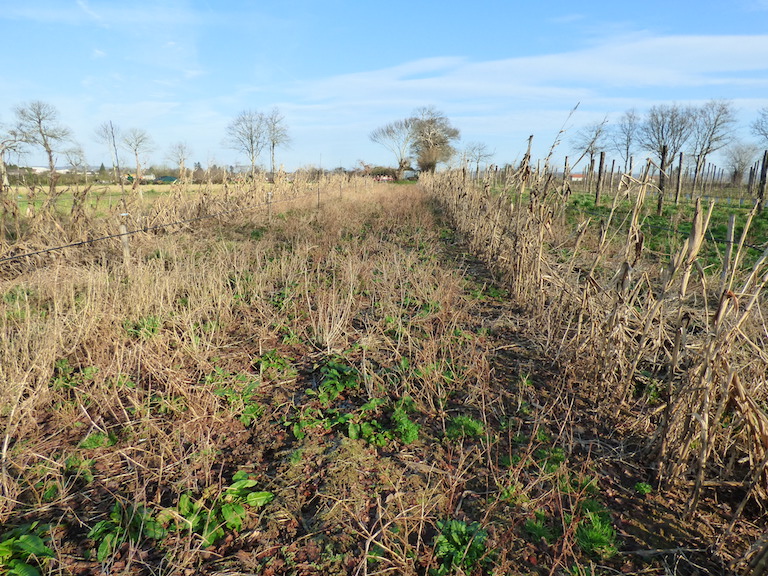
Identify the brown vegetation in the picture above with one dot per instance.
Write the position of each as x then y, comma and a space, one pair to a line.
340, 369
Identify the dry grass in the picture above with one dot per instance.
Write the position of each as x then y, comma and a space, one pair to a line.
145, 380
675, 351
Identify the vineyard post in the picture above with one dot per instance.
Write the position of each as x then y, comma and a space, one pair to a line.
662, 180
124, 241
728, 248
763, 176
600, 175
613, 169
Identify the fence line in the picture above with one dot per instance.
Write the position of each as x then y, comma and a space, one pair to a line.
149, 229
679, 232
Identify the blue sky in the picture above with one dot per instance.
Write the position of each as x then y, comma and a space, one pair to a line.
500, 70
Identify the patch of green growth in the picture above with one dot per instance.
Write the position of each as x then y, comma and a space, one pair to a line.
239, 392
76, 467
463, 426
460, 547
550, 458
66, 376
595, 535
23, 550
258, 233
125, 524
143, 328
405, 428
367, 423
210, 516
162, 404
98, 440
336, 377
512, 492
541, 527
273, 366
643, 488
282, 297
362, 423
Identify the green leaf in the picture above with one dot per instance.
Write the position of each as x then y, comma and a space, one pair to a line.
354, 430
240, 488
233, 514
153, 529
100, 529
32, 544
239, 475
212, 534
7, 548
258, 499
106, 547
19, 568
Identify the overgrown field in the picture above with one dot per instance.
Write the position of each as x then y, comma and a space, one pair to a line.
342, 385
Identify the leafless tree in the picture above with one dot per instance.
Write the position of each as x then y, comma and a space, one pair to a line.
76, 159
109, 135
433, 138
665, 130
37, 124
760, 125
247, 133
397, 137
740, 156
624, 135
178, 154
590, 140
477, 152
9, 142
711, 129
277, 134
137, 141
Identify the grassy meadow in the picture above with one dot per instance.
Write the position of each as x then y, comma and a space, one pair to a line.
366, 378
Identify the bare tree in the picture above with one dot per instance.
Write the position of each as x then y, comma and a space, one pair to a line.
740, 156
477, 152
247, 133
137, 141
665, 130
624, 135
178, 154
109, 135
9, 142
277, 134
76, 159
760, 125
711, 129
37, 124
590, 141
397, 137
433, 138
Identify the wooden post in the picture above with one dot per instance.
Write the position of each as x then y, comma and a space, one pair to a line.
763, 177
679, 187
728, 248
124, 241
599, 183
613, 169
662, 180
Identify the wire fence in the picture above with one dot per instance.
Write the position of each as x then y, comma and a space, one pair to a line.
127, 233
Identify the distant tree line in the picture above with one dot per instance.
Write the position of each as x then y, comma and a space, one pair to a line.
37, 126
666, 131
